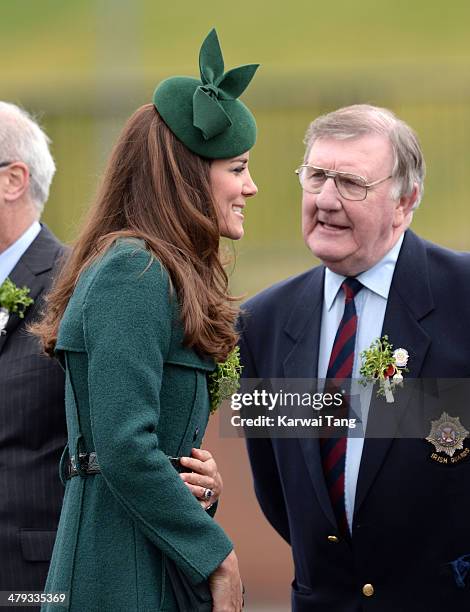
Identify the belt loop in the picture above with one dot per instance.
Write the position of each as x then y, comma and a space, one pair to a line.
64, 465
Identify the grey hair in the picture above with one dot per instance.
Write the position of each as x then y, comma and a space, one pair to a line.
361, 119
21, 139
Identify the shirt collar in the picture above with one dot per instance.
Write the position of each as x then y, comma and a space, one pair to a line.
11, 256
377, 279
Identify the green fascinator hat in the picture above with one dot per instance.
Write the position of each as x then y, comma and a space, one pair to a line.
205, 114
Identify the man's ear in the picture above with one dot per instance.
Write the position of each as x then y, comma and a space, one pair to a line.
17, 183
405, 205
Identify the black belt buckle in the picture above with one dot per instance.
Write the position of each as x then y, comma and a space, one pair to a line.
87, 464
79, 468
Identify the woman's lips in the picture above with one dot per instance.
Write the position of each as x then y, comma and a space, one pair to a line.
238, 210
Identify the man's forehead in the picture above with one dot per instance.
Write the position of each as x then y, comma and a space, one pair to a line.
359, 154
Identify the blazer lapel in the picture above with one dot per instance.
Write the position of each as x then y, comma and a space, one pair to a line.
38, 258
303, 327
409, 301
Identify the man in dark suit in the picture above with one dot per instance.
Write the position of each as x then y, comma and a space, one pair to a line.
32, 419
379, 524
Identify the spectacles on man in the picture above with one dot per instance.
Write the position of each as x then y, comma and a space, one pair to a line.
3, 164
349, 186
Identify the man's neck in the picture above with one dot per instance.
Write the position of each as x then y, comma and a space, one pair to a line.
14, 221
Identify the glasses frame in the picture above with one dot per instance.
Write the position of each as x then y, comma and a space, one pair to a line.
5, 164
333, 174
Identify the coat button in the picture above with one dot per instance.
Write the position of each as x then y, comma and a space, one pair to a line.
368, 590
196, 433
333, 539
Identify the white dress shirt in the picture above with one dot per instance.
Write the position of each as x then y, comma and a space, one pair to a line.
370, 303
11, 256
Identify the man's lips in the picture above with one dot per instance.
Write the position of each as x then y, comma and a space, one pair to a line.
332, 226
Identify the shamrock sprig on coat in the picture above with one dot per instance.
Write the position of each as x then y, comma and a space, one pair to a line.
225, 379
13, 300
383, 364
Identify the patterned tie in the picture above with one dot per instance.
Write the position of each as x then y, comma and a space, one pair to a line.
333, 450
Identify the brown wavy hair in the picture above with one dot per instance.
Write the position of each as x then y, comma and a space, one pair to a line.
157, 190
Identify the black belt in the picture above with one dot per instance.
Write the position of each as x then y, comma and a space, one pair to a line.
88, 464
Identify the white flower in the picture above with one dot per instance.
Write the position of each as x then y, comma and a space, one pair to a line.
397, 378
401, 357
4, 316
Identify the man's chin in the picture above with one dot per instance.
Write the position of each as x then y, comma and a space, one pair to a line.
327, 251
336, 261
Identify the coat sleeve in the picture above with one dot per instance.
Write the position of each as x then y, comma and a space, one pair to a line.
127, 321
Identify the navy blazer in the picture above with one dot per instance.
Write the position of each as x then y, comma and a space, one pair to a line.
32, 431
412, 514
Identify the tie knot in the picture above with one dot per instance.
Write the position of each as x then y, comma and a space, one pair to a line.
351, 287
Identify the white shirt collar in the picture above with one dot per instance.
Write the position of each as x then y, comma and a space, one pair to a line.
377, 279
11, 256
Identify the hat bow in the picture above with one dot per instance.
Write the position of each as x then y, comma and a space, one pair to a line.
209, 115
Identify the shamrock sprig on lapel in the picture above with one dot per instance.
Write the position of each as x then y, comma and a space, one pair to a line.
13, 300
225, 379
381, 363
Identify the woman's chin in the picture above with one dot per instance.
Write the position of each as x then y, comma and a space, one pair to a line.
233, 233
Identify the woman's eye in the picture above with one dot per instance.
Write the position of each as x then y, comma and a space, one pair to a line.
239, 170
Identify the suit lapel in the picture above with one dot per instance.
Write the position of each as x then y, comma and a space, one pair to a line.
409, 301
38, 258
303, 327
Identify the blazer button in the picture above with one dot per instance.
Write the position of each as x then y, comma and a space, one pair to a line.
368, 590
196, 433
333, 539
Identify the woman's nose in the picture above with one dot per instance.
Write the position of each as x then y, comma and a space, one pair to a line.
249, 188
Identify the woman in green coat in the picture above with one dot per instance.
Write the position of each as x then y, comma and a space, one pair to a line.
139, 317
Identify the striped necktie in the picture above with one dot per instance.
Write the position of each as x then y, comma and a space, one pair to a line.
333, 450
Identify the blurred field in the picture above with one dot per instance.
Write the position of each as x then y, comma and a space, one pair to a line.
272, 247
84, 66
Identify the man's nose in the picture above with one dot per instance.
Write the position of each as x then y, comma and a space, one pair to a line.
329, 197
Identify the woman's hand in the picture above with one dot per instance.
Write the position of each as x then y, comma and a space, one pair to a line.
226, 586
204, 477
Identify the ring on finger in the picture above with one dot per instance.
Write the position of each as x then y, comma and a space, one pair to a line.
207, 494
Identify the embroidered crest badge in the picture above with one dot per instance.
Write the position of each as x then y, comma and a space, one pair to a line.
448, 435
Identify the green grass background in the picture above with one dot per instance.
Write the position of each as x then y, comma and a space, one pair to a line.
83, 66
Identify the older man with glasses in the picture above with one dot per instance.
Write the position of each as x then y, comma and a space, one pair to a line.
377, 524
32, 419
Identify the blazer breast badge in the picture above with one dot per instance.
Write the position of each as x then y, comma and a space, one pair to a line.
448, 435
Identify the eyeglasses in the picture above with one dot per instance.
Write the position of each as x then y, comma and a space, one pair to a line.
3, 164
349, 186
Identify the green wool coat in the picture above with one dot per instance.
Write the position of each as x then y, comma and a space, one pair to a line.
140, 396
